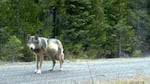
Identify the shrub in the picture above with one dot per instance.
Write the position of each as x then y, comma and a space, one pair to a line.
136, 53
12, 49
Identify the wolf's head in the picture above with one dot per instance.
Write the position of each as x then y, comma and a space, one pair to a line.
33, 42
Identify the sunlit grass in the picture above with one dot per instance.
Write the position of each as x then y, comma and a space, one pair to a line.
120, 82
128, 81
136, 79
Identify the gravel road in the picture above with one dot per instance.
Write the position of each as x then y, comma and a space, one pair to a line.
78, 72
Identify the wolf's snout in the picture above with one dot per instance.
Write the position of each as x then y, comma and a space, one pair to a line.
31, 46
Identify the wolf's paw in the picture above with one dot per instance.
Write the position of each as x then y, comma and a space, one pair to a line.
38, 71
61, 69
50, 69
35, 70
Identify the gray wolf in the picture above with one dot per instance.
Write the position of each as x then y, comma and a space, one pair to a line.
42, 46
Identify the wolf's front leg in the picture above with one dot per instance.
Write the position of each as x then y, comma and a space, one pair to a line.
38, 64
61, 69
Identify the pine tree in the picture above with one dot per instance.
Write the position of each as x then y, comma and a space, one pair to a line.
119, 33
77, 23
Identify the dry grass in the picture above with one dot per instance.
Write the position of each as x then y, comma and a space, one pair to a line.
121, 82
136, 79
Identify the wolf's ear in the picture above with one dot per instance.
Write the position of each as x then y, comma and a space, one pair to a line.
28, 36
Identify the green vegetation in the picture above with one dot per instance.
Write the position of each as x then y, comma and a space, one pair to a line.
12, 49
88, 29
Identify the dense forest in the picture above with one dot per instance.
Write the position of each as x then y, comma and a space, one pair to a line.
87, 28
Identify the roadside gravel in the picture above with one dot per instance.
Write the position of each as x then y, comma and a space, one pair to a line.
78, 72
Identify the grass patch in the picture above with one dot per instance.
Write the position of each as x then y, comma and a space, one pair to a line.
120, 82
135, 79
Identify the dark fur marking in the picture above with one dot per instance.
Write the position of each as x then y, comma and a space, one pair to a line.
43, 43
37, 50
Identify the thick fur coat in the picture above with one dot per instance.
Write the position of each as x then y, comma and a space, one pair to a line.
45, 47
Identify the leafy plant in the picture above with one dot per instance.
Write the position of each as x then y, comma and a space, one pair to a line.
136, 53
12, 49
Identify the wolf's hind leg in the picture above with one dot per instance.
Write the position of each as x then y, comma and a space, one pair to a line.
61, 60
54, 62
